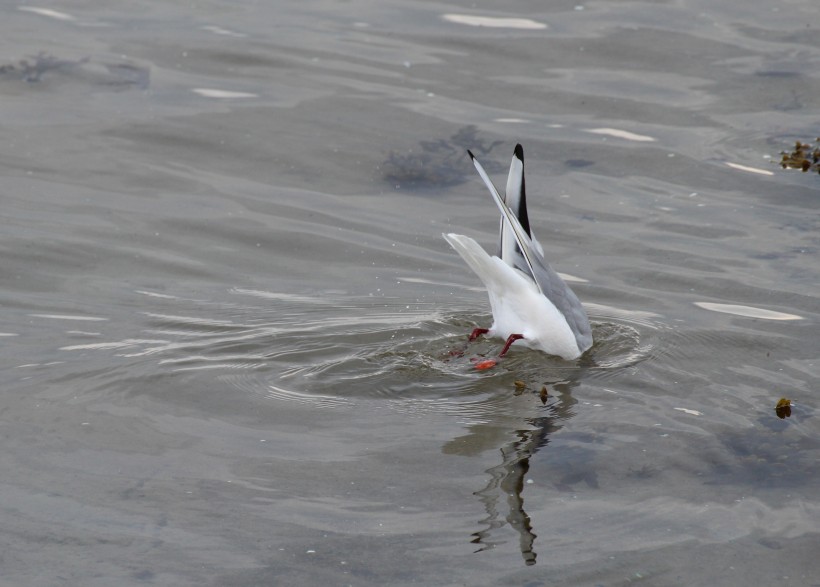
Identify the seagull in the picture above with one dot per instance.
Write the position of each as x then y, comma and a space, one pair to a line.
529, 300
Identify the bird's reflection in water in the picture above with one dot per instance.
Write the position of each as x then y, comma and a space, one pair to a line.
507, 479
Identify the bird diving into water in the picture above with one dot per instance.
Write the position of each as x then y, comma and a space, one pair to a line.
529, 300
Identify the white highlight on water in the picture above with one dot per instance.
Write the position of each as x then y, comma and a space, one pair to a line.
46, 12
621, 134
495, 22
747, 311
749, 169
222, 94
67, 317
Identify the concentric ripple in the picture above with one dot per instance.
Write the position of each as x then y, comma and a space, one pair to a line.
331, 351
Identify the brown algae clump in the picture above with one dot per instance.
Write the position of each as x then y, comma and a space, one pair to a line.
783, 409
803, 157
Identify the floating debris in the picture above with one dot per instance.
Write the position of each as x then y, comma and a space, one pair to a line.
783, 409
544, 394
804, 157
519, 384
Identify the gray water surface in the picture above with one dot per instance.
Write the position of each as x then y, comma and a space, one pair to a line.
234, 341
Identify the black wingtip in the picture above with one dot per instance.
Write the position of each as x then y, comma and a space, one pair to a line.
519, 152
470, 153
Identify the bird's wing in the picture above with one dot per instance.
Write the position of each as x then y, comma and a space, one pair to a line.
518, 231
562, 297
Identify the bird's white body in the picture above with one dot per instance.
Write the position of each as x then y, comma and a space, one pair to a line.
527, 297
517, 305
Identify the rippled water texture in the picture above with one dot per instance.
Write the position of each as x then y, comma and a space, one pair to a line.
235, 343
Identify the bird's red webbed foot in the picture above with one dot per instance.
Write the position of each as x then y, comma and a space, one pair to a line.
478, 332
510, 339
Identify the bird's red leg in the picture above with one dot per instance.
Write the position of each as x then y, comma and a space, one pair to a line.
511, 339
478, 332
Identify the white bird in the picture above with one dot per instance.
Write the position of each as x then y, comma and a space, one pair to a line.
530, 302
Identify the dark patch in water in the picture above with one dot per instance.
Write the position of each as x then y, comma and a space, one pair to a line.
439, 163
778, 74
42, 63
125, 74
117, 74
766, 456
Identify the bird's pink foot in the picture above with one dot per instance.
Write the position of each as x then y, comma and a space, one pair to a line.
510, 339
478, 332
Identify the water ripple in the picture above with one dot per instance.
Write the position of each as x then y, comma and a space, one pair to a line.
332, 351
